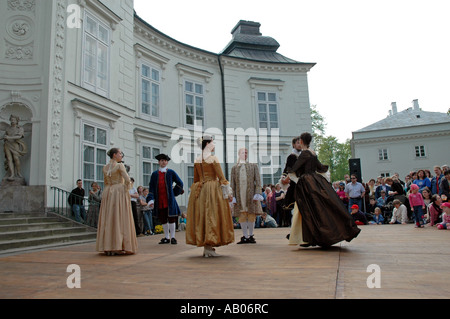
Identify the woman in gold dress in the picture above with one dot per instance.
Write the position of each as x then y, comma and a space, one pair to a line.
116, 234
209, 223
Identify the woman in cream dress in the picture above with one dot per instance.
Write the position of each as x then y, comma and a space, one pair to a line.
116, 233
209, 223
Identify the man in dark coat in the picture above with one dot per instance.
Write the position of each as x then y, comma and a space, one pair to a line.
161, 197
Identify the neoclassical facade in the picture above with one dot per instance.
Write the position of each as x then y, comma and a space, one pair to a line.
404, 141
88, 75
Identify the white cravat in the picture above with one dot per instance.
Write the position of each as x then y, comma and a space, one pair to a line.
163, 170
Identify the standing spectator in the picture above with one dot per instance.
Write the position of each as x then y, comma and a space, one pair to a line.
146, 212
355, 192
444, 189
426, 194
435, 210
342, 195
417, 204
436, 180
422, 180
272, 202
76, 200
134, 194
95, 198
399, 214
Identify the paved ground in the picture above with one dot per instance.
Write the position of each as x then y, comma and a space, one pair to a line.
413, 263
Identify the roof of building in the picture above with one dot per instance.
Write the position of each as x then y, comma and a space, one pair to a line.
410, 117
248, 43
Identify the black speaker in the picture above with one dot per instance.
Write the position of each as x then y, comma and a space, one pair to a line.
355, 168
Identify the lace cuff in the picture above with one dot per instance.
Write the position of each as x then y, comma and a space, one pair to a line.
226, 191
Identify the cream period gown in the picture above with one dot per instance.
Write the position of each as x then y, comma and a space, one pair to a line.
116, 232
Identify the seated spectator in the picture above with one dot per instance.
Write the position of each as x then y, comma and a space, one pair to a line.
435, 210
268, 221
436, 180
373, 203
396, 187
422, 180
445, 224
382, 187
381, 201
378, 218
399, 214
182, 221
358, 216
444, 191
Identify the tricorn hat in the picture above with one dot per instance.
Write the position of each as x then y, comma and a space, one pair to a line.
162, 157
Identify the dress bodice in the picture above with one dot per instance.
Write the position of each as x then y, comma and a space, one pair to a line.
308, 163
115, 173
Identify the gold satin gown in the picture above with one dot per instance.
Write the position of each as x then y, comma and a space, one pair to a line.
209, 221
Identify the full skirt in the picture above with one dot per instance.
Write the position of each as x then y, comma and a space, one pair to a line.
209, 221
325, 220
116, 231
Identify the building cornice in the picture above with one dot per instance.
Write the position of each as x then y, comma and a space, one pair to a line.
397, 138
246, 64
164, 42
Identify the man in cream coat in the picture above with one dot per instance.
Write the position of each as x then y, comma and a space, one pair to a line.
246, 185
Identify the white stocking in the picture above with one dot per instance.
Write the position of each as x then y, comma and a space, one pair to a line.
166, 230
244, 227
251, 227
172, 230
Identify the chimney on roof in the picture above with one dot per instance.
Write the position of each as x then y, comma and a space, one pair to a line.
394, 108
246, 27
416, 105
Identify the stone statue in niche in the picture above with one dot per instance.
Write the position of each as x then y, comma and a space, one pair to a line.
14, 148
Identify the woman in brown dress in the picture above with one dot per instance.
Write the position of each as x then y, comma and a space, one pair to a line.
116, 233
209, 223
324, 218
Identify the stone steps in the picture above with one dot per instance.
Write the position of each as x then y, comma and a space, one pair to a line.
20, 232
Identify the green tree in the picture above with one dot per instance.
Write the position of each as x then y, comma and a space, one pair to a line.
329, 150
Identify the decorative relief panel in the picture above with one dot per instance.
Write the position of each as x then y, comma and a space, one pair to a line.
22, 5
18, 52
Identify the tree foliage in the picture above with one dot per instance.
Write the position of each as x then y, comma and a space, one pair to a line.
329, 150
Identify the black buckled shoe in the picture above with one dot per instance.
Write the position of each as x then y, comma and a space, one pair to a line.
251, 240
173, 241
164, 241
243, 240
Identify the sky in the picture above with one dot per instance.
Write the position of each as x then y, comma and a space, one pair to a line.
368, 53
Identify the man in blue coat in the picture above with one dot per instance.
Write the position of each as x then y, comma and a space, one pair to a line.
161, 197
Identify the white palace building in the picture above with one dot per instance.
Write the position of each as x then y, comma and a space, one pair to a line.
84, 76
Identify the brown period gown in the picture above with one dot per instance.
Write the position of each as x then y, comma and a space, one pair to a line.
324, 219
116, 231
209, 221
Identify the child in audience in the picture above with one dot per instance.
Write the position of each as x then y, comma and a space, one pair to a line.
445, 216
417, 204
378, 219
